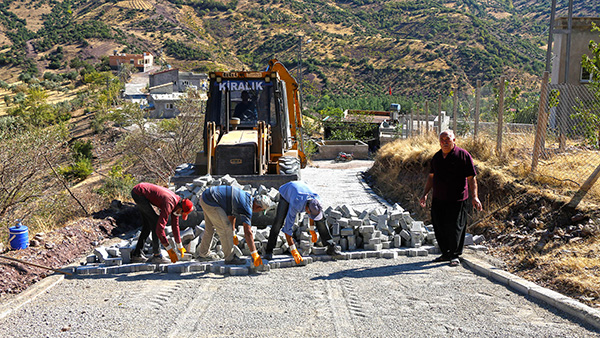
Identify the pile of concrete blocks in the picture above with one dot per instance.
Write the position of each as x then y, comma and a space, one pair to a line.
372, 230
377, 229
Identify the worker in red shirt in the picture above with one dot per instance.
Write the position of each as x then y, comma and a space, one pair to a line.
147, 195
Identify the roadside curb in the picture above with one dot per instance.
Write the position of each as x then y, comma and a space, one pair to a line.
30, 294
566, 304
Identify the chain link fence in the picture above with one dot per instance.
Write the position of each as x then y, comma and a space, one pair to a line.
554, 133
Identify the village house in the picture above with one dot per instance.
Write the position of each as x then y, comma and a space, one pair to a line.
140, 61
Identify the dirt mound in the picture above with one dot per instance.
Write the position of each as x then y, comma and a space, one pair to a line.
64, 246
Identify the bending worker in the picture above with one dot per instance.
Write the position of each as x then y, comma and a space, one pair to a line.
221, 206
297, 197
147, 195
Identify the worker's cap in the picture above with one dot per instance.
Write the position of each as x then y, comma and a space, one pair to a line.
316, 210
263, 201
187, 206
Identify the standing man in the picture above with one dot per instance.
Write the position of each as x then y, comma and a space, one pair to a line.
147, 195
452, 177
221, 206
296, 197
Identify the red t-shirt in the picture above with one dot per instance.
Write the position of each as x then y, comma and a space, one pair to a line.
166, 201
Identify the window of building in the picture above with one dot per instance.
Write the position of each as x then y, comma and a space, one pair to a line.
586, 76
132, 61
168, 106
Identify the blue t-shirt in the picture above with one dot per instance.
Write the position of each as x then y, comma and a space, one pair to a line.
234, 201
296, 193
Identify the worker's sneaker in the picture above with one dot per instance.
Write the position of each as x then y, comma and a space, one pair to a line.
268, 256
138, 258
158, 260
210, 257
333, 251
236, 261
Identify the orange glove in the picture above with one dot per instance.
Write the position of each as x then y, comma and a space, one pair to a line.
296, 254
256, 258
180, 248
313, 234
236, 241
172, 255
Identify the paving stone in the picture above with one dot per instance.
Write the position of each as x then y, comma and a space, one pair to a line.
373, 247
319, 250
91, 259
335, 229
346, 232
365, 229
355, 222
386, 244
335, 214
344, 244
238, 271
101, 254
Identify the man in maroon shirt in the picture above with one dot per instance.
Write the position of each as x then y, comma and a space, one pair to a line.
147, 195
452, 177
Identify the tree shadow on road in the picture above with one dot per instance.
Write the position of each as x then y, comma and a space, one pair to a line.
382, 271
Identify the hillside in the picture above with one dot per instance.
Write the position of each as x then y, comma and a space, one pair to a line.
350, 48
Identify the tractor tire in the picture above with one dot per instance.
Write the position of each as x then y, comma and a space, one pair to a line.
289, 165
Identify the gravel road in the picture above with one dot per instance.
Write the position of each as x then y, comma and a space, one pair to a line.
403, 297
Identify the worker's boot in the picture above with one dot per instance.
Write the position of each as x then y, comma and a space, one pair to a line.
333, 251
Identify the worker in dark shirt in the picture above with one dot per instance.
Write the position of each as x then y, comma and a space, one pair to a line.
246, 109
452, 178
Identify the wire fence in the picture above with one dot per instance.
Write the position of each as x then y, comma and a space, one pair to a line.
554, 133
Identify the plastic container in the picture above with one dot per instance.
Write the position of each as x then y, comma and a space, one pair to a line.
18, 236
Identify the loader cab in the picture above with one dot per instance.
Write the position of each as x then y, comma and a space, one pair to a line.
249, 97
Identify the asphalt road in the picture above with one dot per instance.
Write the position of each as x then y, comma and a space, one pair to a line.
375, 297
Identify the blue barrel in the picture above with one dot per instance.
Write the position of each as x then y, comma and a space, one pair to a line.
18, 236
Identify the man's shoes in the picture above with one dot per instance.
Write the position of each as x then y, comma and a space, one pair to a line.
333, 251
158, 260
442, 258
236, 261
268, 256
210, 257
455, 262
138, 258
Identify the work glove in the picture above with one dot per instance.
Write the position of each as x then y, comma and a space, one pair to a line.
172, 255
256, 258
236, 241
313, 234
296, 254
180, 248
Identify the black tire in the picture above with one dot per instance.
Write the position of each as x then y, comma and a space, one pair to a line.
289, 165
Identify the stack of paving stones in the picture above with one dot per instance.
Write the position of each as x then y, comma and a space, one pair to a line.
381, 232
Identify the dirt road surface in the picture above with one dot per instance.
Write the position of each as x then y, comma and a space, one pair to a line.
376, 297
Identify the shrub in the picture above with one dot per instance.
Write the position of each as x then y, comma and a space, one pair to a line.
78, 171
117, 184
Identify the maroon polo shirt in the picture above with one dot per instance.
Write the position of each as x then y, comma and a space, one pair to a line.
450, 174
166, 201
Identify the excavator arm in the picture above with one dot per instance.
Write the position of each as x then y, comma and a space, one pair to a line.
294, 108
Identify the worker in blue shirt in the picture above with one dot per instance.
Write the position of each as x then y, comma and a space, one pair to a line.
221, 206
297, 197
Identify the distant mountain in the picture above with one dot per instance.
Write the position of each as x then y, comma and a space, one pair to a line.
350, 47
